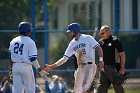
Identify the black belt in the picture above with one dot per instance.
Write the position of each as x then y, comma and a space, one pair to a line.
86, 63
109, 66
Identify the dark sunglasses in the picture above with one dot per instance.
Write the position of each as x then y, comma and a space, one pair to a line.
102, 33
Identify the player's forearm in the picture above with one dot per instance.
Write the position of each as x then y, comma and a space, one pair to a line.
100, 53
122, 57
53, 66
36, 64
60, 61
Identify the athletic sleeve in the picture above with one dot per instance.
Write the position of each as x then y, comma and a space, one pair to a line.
93, 42
32, 52
69, 51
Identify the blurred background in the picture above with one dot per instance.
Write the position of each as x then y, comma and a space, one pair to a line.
50, 19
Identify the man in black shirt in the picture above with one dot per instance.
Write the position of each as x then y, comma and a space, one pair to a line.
110, 44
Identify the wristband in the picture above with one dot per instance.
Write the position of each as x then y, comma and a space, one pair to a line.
100, 58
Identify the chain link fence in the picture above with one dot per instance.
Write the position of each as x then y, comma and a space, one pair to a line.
12, 12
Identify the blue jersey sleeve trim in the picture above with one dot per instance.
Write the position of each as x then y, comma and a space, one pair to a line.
66, 56
32, 59
9, 55
96, 46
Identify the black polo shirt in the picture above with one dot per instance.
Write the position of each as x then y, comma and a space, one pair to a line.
109, 45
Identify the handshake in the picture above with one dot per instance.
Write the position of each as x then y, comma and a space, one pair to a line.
43, 74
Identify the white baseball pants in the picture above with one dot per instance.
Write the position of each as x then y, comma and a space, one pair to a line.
23, 77
84, 76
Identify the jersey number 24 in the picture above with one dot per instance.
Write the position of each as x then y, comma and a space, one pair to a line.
18, 49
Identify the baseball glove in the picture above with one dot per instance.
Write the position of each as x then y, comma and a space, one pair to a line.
120, 79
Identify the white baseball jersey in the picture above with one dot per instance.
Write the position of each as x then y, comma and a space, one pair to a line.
87, 43
22, 48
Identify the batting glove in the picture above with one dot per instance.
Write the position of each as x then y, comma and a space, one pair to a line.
44, 75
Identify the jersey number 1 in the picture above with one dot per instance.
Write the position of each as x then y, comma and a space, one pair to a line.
18, 48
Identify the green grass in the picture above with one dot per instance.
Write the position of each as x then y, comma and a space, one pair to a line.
127, 90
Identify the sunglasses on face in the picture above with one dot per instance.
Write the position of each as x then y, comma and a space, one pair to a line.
102, 33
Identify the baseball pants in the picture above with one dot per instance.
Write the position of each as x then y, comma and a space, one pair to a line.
84, 76
106, 78
23, 77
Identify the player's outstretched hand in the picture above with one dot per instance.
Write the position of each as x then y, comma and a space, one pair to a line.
44, 75
48, 68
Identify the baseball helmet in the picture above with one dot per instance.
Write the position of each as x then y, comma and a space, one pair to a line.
74, 27
25, 27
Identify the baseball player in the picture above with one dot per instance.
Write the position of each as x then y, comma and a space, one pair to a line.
23, 54
83, 47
